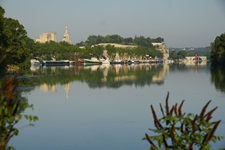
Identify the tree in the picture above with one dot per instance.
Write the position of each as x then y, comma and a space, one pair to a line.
3, 44
178, 54
202, 51
158, 40
128, 40
182, 54
13, 50
218, 50
17, 53
138, 40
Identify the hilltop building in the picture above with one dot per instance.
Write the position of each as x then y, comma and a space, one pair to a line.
66, 37
46, 37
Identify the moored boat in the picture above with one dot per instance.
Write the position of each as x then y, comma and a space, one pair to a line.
117, 61
144, 61
93, 60
35, 62
130, 62
55, 62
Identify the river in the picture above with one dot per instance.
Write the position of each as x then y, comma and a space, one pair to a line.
108, 107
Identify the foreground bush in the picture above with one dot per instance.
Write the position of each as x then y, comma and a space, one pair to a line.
12, 105
178, 130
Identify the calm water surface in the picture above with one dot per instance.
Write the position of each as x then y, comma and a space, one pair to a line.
107, 107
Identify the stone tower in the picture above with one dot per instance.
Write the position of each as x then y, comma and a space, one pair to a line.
46, 37
66, 37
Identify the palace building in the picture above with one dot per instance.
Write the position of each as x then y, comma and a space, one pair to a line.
46, 37
66, 37
51, 36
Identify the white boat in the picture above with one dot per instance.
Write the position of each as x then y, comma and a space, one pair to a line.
93, 60
117, 61
35, 62
144, 61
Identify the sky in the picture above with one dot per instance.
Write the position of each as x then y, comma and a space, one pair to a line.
182, 23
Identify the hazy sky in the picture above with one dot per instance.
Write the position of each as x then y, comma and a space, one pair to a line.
182, 23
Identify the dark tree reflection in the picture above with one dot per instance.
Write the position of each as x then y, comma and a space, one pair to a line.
218, 77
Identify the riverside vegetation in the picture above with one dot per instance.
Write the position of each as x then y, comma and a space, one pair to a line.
12, 107
178, 130
13, 51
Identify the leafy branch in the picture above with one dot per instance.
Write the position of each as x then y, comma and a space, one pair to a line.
178, 130
11, 107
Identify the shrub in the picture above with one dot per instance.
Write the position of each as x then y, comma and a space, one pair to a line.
12, 105
178, 130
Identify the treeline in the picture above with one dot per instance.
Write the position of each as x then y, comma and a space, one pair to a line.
63, 50
137, 40
180, 54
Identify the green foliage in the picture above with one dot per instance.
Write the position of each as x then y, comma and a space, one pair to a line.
178, 130
178, 54
2, 36
140, 41
12, 105
62, 50
53, 50
205, 51
17, 53
218, 50
13, 44
2, 43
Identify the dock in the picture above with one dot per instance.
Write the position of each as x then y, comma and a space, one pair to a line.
55, 63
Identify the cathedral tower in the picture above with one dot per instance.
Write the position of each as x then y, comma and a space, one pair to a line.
66, 37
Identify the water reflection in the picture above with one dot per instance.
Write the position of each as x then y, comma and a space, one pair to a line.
218, 77
98, 76
115, 76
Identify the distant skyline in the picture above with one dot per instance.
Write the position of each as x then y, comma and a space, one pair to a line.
182, 23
